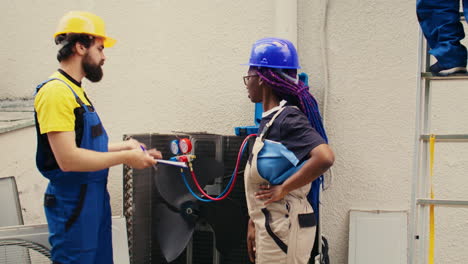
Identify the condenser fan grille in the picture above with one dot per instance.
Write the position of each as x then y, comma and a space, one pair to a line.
141, 211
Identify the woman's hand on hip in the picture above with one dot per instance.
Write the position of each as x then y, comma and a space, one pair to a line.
270, 193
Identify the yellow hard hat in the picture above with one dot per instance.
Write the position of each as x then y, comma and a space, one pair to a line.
81, 22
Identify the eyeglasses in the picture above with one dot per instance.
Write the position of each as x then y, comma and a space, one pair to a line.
247, 78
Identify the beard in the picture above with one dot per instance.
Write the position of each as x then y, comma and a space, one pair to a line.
93, 71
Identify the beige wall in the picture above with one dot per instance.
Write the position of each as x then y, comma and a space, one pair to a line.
371, 101
176, 67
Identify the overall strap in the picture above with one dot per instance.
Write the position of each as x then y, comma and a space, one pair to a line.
77, 98
268, 125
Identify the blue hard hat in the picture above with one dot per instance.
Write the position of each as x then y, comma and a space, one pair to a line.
274, 53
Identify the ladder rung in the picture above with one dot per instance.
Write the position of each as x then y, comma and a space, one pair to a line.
457, 76
441, 202
448, 137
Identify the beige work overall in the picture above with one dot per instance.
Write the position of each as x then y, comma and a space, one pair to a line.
280, 218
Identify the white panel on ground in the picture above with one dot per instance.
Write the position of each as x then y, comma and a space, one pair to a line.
377, 237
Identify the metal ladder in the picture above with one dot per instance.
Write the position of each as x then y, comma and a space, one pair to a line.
418, 237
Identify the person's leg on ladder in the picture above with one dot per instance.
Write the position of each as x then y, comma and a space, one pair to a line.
440, 23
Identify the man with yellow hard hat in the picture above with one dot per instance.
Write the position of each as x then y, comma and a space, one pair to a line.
73, 150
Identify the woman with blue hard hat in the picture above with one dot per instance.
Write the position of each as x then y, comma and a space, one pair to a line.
288, 155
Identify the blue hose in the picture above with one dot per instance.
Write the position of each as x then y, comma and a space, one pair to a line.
225, 189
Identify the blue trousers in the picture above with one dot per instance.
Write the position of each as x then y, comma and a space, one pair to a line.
82, 236
440, 23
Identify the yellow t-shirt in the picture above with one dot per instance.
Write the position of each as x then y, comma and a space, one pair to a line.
55, 104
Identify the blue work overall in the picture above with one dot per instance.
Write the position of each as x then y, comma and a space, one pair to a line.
440, 23
77, 203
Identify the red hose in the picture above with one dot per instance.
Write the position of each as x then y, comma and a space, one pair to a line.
194, 178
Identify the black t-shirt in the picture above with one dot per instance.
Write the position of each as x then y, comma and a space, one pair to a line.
293, 130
